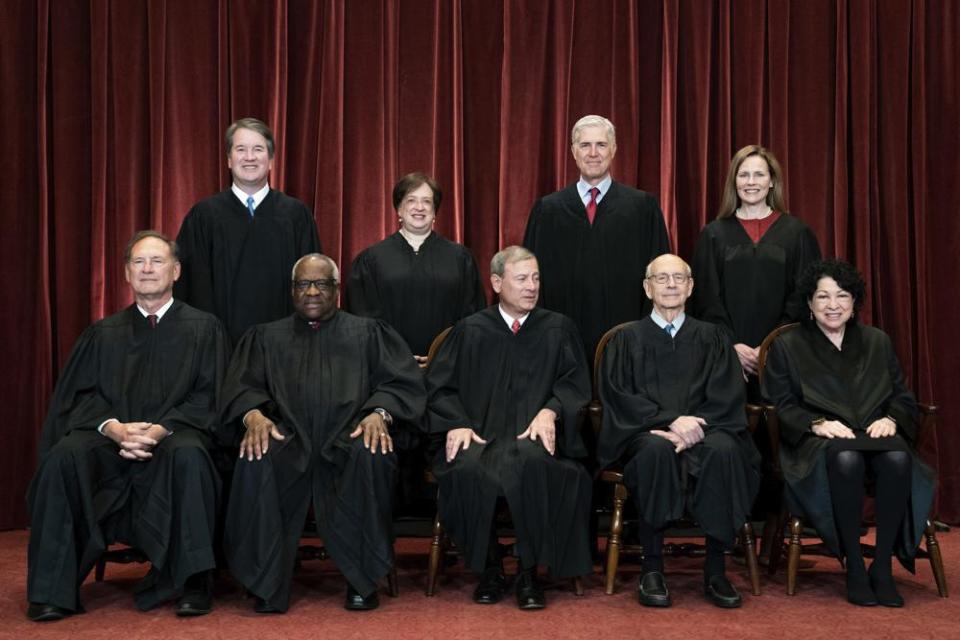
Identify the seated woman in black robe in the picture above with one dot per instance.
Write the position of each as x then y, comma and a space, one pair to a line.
845, 414
747, 261
419, 283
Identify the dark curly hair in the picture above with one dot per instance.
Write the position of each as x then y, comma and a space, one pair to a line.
844, 274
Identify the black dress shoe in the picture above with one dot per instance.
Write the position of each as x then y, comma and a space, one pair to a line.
490, 588
40, 612
261, 606
859, 591
529, 593
652, 590
197, 598
884, 588
356, 602
721, 592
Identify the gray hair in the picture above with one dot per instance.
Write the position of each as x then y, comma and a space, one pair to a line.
593, 121
150, 233
316, 256
510, 254
253, 125
686, 267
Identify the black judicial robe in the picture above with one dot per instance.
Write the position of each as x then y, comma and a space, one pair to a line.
807, 377
237, 267
417, 293
486, 378
594, 273
85, 496
648, 380
316, 386
750, 289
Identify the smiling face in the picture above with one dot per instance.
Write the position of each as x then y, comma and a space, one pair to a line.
670, 296
753, 180
416, 210
314, 290
151, 270
249, 160
519, 288
593, 152
831, 306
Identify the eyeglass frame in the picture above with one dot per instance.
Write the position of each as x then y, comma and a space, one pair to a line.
327, 284
664, 278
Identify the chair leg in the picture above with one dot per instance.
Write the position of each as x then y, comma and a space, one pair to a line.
750, 554
793, 558
101, 567
936, 559
578, 586
775, 539
393, 590
436, 551
613, 540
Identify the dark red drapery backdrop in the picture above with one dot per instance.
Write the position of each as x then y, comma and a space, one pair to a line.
113, 113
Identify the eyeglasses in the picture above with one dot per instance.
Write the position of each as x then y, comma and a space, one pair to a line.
664, 278
322, 285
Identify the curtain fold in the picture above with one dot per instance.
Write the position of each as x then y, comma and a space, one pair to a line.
115, 111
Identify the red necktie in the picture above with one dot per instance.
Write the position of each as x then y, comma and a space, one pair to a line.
592, 205
152, 320
515, 327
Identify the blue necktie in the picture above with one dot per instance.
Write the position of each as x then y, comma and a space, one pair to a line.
669, 329
250, 205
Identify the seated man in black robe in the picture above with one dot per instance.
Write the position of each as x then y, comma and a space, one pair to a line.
239, 245
506, 388
673, 413
124, 452
313, 396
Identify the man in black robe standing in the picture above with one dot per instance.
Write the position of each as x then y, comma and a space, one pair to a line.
124, 448
673, 414
594, 239
311, 398
237, 247
506, 388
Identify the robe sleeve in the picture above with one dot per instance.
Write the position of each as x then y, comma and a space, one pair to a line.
724, 406
628, 408
781, 386
77, 402
198, 410
445, 410
245, 387
363, 297
474, 298
571, 392
707, 304
806, 251
195, 285
902, 405
396, 380
307, 233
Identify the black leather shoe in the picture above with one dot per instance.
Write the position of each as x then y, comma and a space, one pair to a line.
40, 612
529, 593
652, 590
197, 598
490, 588
859, 591
884, 588
356, 602
721, 592
260, 606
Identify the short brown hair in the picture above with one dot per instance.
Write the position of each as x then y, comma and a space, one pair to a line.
150, 233
253, 125
413, 181
775, 198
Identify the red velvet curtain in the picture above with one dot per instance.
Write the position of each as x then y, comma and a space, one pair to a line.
113, 112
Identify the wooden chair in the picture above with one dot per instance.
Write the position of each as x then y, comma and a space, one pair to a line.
614, 477
925, 430
440, 544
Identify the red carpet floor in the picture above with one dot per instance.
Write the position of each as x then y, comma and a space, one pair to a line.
817, 611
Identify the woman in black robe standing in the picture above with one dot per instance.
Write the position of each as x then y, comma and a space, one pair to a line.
747, 261
845, 415
419, 283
